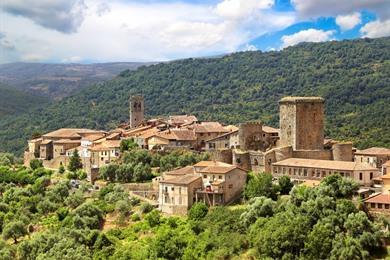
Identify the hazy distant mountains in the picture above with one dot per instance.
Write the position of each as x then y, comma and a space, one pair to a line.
56, 81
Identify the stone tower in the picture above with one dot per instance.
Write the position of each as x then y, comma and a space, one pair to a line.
250, 136
137, 110
302, 122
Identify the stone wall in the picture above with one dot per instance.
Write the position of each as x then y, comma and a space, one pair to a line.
224, 155
313, 154
241, 159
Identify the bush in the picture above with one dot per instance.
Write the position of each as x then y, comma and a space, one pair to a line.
146, 207
135, 217
153, 218
198, 211
35, 164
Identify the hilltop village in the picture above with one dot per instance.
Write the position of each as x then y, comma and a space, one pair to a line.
297, 149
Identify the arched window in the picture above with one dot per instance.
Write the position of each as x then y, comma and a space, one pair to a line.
255, 162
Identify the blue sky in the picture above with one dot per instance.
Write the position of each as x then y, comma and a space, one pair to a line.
85, 31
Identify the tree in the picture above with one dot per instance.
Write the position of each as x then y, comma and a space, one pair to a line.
127, 145
260, 185
198, 211
35, 164
61, 169
258, 207
14, 230
75, 162
285, 184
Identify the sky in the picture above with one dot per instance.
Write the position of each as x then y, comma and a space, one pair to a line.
90, 31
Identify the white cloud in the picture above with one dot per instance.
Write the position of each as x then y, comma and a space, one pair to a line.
376, 29
310, 35
129, 31
348, 22
238, 9
318, 8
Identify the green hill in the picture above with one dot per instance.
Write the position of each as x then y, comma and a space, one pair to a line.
14, 101
353, 77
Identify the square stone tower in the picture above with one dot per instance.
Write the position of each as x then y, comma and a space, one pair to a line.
137, 110
302, 123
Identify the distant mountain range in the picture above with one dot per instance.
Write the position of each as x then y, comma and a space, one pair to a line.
57, 81
353, 76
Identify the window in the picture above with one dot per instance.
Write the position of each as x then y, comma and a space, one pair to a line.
379, 205
371, 175
172, 189
386, 206
166, 189
275, 170
255, 162
166, 199
304, 172
205, 176
230, 186
173, 200
238, 160
180, 191
360, 176
373, 205
220, 177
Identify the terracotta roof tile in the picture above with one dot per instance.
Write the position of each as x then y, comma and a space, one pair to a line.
70, 132
181, 180
379, 198
181, 171
218, 169
374, 151
210, 127
211, 163
325, 164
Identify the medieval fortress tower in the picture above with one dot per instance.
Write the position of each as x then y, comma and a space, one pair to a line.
137, 110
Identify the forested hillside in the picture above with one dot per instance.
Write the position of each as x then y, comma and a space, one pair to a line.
353, 77
14, 101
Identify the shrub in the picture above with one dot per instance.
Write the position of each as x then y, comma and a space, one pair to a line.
146, 207
198, 211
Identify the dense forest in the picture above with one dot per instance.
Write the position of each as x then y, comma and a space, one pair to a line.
43, 215
353, 77
14, 101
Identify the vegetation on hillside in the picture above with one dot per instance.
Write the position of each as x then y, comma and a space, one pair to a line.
47, 218
14, 101
352, 76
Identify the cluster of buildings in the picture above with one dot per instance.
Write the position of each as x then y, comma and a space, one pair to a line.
297, 149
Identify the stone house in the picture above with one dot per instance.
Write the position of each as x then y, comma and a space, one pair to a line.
177, 194
205, 131
173, 138
212, 182
374, 156
104, 153
310, 169
378, 203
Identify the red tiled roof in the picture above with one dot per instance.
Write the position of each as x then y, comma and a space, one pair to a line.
218, 169
181, 180
379, 198
374, 151
325, 164
70, 132
211, 163
210, 127
182, 171
182, 119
